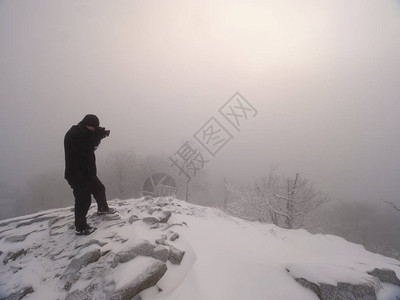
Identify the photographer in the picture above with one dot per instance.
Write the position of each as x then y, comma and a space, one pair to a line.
80, 142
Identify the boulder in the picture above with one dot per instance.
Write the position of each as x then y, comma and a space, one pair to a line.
161, 253
342, 290
164, 217
70, 275
14, 255
175, 255
153, 209
19, 294
150, 220
162, 240
16, 238
146, 279
143, 248
386, 275
133, 218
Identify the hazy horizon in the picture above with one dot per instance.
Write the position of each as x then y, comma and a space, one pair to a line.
324, 77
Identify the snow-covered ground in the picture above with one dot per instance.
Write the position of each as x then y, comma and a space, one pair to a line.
225, 257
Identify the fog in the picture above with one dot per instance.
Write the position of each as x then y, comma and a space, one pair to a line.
324, 77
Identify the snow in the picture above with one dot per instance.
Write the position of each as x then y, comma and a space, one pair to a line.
131, 271
225, 257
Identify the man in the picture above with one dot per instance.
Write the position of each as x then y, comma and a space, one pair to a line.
80, 142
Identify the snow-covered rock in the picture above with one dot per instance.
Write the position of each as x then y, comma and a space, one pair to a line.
146, 273
71, 275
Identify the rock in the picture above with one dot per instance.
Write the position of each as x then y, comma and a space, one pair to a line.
150, 220
91, 242
161, 253
34, 220
14, 255
52, 221
111, 217
15, 269
175, 255
174, 236
143, 248
20, 294
1, 252
145, 280
162, 202
386, 275
153, 209
133, 218
155, 226
16, 238
341, 291
165, 216
97, 289
56, 231
162, 241
85, 294
70, 275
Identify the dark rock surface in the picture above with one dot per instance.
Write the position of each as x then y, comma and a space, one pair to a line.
150, 220
174, 236
13, 255
386, 275
19, 294
345, 291
133, 218
175, 255
366, 290
161, 253
164, 217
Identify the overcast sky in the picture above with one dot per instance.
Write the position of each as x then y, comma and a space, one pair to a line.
324, 77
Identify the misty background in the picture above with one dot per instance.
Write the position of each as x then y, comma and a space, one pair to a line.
324, 77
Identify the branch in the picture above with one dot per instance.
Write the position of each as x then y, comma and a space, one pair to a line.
280, 213
283, 198
392, 205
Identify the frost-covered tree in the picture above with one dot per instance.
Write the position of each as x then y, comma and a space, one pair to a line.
373, 225
286, 202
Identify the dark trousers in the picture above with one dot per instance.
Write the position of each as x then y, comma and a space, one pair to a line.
83, 199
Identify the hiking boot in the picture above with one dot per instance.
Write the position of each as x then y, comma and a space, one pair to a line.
88, 230
108, 211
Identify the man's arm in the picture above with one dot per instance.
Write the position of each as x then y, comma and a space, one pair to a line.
82, 143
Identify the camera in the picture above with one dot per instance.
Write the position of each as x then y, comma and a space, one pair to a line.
103, 132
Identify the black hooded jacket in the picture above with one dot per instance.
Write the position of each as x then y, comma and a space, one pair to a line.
80, 161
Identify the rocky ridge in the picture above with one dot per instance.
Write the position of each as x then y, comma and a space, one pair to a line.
131, 251
137, 242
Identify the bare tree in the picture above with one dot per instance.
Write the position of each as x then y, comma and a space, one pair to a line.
287, 202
